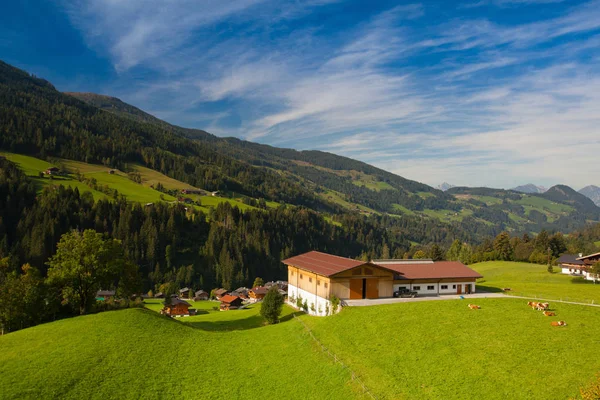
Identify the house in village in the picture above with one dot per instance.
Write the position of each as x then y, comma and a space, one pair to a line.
52, 171
103, 295
229, 302
220, 293
257, 293
315, 276
241, 292
159, 295
578, 265
176, 308
201, 295
184, 293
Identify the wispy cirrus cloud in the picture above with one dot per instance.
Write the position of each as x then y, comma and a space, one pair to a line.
469, 99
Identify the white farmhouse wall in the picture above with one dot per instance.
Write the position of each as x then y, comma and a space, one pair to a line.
320, 303
437, 287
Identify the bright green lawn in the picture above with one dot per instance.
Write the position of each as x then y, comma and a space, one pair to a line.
443, 350
540, 203
534, 280
138, 354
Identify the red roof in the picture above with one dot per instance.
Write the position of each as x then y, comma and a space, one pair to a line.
322, 263
228, 298
436, 270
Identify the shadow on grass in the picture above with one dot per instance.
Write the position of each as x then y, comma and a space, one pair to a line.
581, 280
488, 289
251, 322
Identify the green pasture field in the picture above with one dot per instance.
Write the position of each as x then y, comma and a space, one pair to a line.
539, 203
444, 350
533, 280
137, 353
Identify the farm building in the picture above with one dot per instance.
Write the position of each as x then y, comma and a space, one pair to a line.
257, 293
241, 292
105, 294
159, 295
578, 264
315, 276
201, 295
184, 293
52, 171
177, 308
220, 293
229, 302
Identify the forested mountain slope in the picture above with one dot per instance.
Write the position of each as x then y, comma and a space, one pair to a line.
36, 119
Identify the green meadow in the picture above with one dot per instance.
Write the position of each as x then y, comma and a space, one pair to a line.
533, 280
444, 350
137, 353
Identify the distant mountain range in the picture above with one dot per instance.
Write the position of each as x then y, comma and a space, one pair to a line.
445, 186
592, 192
530, 188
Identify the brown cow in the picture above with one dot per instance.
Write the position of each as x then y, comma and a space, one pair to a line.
474, 307
549, 314
558, 323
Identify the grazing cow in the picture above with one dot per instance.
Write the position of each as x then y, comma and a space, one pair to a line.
558, 323
474, 307
549, 314
533, 304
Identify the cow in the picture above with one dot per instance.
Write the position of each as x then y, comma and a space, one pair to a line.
558, 323
474, 307
549, 314
540, 307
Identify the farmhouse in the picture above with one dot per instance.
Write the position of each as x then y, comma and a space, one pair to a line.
315, 276
105, 294
159, 295
578, 264
177, 308
200, 295
220, 293
229, 302
257, 293
52, 171
184, 293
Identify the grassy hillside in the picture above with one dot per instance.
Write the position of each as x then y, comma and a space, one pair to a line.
140, 354
33, 166
444, 350
534, 280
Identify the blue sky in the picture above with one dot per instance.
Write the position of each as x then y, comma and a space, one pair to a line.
475, 92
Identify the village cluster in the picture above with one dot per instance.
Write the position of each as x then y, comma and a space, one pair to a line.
178, 306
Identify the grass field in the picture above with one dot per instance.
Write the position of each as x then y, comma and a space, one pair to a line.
526, 279
139, 354
420, 350
443, 350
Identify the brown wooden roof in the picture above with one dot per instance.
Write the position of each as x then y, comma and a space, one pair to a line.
229, 299
436, 270
322, 263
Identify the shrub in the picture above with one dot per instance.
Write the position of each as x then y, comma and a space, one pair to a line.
305, 306
335, 302
299, 301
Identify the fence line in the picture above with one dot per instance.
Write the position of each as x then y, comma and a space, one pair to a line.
337, 360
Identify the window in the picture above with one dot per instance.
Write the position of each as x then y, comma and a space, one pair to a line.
444, 287
368, 271
416, 287
453, 286
356, 271
326, 285
401, 287
309, 279
318, 282
292, 272
301, 276
430, 287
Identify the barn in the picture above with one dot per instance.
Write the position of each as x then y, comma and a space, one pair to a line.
315, 276
578, 265
176, 308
